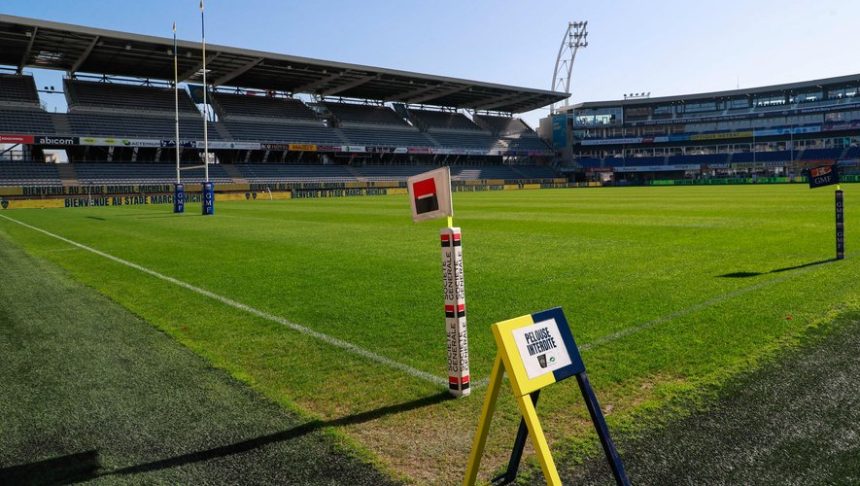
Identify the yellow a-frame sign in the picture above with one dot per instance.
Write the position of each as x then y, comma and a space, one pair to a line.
537, 350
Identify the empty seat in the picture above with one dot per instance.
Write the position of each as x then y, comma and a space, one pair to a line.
502, 125
18, 89
261, 131
126, 97
23, 120
283, 173
261, 106
443, 120
131, 173
28, 174
364, 114
138, 126
405, 137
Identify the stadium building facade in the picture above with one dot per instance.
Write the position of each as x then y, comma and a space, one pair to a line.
771, 131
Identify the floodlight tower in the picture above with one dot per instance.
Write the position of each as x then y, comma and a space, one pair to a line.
575, 37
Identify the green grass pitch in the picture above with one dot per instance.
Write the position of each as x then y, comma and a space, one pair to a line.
670, 291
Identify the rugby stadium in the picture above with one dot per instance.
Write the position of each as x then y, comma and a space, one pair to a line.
296, 330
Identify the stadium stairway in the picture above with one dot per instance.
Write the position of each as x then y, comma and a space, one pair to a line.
432, 139
358, 175
234, 173
341, 136
61, 123
222, 131
68, 175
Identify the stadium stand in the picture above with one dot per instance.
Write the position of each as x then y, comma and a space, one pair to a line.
122, 110
279, 173
463, 139
143, 125
14, 173
129, 173
386, 137
125, 97
20, 111
352, 114
118, 126
441, 120
282, 132
260, 106
18, 90
502, 125
458, 173
23, 120
769, 131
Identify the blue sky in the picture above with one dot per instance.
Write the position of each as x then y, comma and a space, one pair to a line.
665, 47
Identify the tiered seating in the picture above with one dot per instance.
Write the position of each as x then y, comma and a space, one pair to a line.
21, 120
391, 173
391, 136
443, 120
698, 159
779, 156
138, 126
87, 94
502, 125
535, 171
458, 173
639, 161
465, 140
274, 173
28, 174
233, 105
589, 162
18, 89
853, 153
123, 173
349, 113
526, 142
272, 131
820, 154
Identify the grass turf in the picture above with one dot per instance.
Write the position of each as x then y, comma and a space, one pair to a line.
794, 421
670, 290
93, 393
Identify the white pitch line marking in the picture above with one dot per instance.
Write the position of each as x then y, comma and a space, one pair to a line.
333, 341
603, 340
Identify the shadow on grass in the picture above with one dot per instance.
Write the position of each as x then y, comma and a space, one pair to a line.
59, 470
778, 270
283, 436
85, 466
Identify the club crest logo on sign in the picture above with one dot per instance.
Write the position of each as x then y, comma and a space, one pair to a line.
430, 194
825, 175
4, 203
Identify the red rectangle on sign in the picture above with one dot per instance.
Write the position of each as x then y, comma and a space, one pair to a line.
424, 188
25, 139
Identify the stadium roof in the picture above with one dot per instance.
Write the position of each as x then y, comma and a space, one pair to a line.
850, 80
42, 44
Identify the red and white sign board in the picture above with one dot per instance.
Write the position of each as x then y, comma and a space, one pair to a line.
17, 139
430, 194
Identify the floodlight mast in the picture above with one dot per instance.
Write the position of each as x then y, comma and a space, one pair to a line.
575, 37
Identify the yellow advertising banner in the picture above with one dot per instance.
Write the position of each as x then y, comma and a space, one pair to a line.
302, 147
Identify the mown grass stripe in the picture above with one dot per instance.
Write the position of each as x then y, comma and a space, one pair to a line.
331, 340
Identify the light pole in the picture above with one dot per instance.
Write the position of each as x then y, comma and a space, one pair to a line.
575, 36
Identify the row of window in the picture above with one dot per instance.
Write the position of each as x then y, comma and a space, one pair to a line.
797, 145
